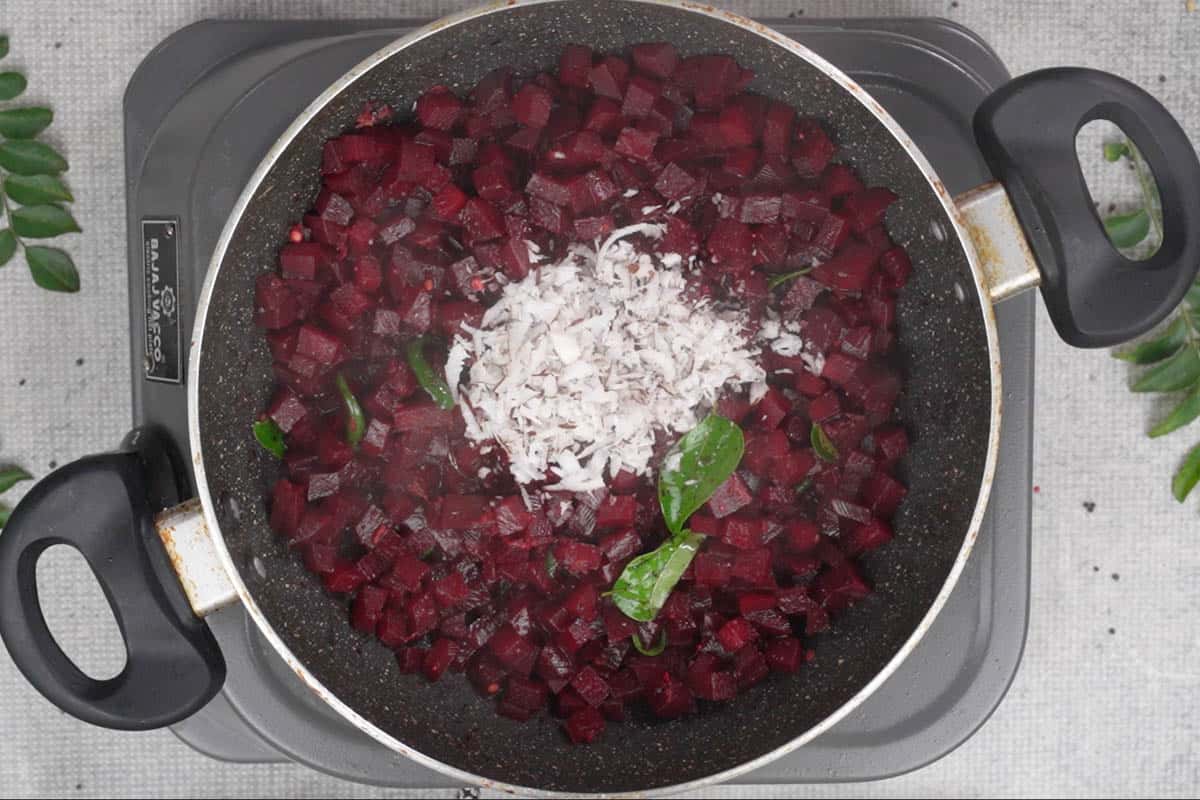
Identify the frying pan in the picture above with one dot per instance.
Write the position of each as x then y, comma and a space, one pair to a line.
162, 575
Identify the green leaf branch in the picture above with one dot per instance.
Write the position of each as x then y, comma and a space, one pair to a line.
1172, 357
32, 195
9, 477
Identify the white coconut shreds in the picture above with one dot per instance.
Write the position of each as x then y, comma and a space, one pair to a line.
574, 367
783, 337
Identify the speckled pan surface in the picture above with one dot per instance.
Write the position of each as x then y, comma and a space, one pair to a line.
947, 409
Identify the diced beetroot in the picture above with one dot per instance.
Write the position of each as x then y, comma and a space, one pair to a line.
708, 682
287, 507
344, 578
770, 410
868, 536
712, 78
532, 106
729, 497
590, 686
438, 657
616, 511
636, 143
577, 558
777, 128
523, 697
609, 78
439, 108
408, 572
753, 567
617, 626
604, 116
883, 494
736, 634
585, 725
676, 183
322, 347
304, 259
705, 524
657, 59
462, 511
668, 697
840, 586
868, 206
712, 569
737, 126
744, 533
785, 654
811, 149
573, 65
840, 369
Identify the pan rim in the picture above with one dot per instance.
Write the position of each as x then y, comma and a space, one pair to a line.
218, 257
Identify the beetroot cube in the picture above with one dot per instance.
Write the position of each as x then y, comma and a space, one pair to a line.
512, 650
462, 511
555, 667
590, 686
603, 116
581, 601
485, 675
657, 59
840, 369
736, 634
368, 608
729, 497
416, 161
825, 407
522, 698
868, 207
344, 578
811, 149
609, 78
407, 572
448, 203
883, 494
712, 569
482, 220
550, 188
753, 567
750, 667
616, 511
707, 681
493, 90
573, 65
438, 657
640, 95
715, 79
451, 590
891, 442
743, 533
676, 183
392, 629
303, 259
737, 127
668, 697
286, 409
777, 128
625, 544
439, 109
741, 162
705, 524
287, 506
731, 243
801, 536
585, 725
897, 265
840, 586
322, 347
770, 410
849, 270
784, 654
532, 106
757, 208
868, 536
577, 558
636, 143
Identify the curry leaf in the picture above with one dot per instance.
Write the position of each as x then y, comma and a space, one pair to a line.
52, 269
356, 421
42, 222
11, 85
698, 463
8, 246
31, 158
654, 649
1114, 150
1187, 476
430, 381
1126, 230
10, 476
1177, 372
1158, 348
270, 437
24, 123
1187, 410
4, 513
33, 189
647, 581
779, 280
3, 46
823, 448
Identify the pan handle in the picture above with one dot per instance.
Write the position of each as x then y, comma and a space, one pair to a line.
101, 505
1026, 129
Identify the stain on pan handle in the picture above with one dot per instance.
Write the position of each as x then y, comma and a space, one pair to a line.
104, 506
1026, 129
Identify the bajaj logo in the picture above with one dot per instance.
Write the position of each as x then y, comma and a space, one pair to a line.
160, 261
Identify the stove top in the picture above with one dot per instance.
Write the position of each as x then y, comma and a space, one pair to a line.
205, 106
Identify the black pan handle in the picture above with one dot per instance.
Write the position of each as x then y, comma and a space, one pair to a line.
1026, 129
104, 507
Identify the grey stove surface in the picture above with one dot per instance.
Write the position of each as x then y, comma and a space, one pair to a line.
208, 103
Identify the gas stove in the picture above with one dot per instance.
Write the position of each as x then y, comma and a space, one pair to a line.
206, 105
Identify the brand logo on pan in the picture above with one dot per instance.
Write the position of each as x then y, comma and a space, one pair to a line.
162, 356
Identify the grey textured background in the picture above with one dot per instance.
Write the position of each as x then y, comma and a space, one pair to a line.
1106, 701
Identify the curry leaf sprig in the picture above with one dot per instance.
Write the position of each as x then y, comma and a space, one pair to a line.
694, 469
33, 196
9, 477
1172, 358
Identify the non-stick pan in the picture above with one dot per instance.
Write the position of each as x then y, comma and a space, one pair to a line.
1036, 226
